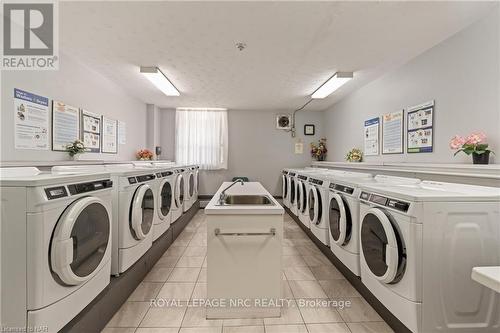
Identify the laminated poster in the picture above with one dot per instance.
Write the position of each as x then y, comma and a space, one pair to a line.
91, 131
420, 128
392, 133
371, 136
65, 125
109, 136
31, 121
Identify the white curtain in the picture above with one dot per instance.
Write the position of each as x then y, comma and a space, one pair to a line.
201, 138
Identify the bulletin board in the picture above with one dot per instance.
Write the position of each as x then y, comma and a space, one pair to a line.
420, 124
371, 136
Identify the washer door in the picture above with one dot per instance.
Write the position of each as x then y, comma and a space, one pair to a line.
196, 181
179, 191
292, 191
340, 219
79, 241
315, 205
142, 212
191, 184
298, 185
284, 179
164, 199
382, 247
303, 198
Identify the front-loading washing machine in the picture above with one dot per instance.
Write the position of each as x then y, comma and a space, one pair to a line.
343, 213
419, 243
317, 202
178, 195
302, 190
55, 245
285, 187
134, 210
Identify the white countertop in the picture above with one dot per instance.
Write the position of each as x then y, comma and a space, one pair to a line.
249, 188
490, 171
488, 276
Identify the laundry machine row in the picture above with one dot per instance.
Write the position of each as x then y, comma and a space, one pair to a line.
387, 229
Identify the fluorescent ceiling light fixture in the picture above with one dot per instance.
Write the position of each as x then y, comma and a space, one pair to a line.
201, 109
335, 82
156, 76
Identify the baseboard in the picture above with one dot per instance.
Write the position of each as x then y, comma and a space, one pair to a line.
389, 318
96, 315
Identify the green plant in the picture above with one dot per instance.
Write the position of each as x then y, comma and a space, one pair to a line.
77, 147
354, 155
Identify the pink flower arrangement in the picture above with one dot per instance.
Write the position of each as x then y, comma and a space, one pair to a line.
144, 154
475, 144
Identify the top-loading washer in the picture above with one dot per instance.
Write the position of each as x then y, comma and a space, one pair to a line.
55, 245
419, 243
134, 211
343, 213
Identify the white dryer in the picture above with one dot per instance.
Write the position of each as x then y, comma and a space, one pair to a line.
55, 245
190, 195
343, 213
419, 244
134, 211
302, 190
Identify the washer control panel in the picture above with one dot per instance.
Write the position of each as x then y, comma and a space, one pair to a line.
385, 201
315, 181
342, 188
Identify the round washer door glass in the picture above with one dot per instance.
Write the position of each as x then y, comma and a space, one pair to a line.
179, 191
292, 190
165, 198
142, 211
312, 203
80, 240
382, 248
340, 219
191, 184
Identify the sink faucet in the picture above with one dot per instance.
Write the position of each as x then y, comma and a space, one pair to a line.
222, 196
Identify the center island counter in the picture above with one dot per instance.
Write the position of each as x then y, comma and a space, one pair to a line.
244, 245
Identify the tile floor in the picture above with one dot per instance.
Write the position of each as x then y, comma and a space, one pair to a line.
307, 275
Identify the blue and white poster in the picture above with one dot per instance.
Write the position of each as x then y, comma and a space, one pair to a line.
371, 136
31, 121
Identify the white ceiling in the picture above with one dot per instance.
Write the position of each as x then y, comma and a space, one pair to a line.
292, 47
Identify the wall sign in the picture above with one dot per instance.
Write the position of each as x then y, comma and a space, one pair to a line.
122, 133
31, 121
392, 132
420, 128
309, 129
65, 125
91, 131
371, 136
109, 136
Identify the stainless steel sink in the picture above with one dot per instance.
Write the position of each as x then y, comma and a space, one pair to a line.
254, 200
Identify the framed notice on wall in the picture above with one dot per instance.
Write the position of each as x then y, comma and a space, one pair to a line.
91, 131
420, 128
65, 125
31, 121
371, 136
109, 135
392, 132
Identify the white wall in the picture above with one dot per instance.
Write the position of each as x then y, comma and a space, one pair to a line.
256, 148
79, 86
461, 74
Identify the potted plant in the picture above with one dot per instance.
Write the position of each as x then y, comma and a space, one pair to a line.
75, 149
355, 155
318, 151
144, 155
475, 144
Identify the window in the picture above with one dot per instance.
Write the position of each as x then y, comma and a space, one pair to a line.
201, 137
